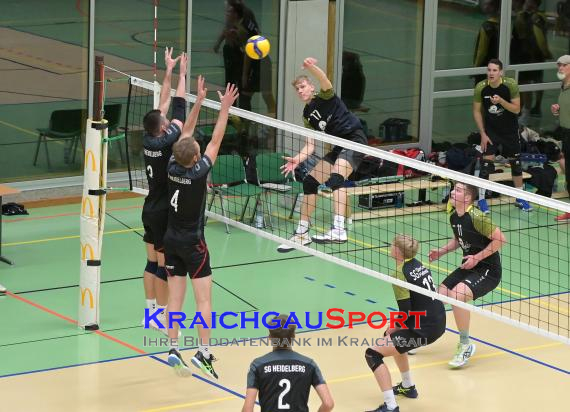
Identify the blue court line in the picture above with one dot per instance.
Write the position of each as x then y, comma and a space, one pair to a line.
520, 355
350, 293
310, 278
328, 285
371, 301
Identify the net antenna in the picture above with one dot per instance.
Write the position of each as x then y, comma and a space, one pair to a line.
154, 62
534, 288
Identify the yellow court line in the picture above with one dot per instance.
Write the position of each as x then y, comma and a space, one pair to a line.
439, 363
187, 405
13, 126
51, 239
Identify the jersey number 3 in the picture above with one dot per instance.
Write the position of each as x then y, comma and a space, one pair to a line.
149, 171
174, 200
286, 385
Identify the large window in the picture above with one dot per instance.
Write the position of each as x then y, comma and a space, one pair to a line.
44, 68
382, 64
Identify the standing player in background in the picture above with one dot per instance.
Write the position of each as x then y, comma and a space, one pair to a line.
327, 113
496, 104
481, 270
398, 341
562, 111
283, 378
185, 244
160, 135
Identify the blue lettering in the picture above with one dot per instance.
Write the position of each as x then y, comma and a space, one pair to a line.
292, 320
308, 320
176, 317
198, 320
224, 324
273, 323
154, 316
244, 319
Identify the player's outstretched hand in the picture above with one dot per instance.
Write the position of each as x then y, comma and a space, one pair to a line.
200, 89
309, 62
230, 96
290, 166
434, 254
183, 63
168, 60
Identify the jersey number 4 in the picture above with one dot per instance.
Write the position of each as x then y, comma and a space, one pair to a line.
174, 200
286, 385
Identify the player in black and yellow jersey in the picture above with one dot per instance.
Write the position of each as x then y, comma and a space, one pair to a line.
480, 239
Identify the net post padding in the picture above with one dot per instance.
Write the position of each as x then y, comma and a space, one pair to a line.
92, 223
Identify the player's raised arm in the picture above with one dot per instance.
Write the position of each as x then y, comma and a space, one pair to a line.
227, 100
190, 124
310, 64
164, 103
179, 105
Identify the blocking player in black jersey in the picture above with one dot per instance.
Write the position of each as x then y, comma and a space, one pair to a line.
324, 112
496, 105
283, 378
185, 244
480, 272
160, 134
399, 341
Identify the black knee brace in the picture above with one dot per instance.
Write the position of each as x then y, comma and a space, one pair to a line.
516, 168
487, 167
373, 359
161, 273
336, 181
310, 185
151, 267
179, 108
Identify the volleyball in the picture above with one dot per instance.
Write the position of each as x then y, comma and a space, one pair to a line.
257, 47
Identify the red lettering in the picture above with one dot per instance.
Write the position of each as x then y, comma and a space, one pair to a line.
340, 319
398, 318
416, 314
355, 316
372, 325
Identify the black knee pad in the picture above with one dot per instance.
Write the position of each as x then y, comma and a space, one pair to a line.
310, 185
179, 108
516, 168
373, 359
487, 167
161, 273
336, 181
151, 267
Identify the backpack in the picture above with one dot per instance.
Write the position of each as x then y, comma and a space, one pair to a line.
405, 171
462, 158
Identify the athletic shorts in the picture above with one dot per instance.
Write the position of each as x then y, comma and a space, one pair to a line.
405, 340
192, 260
482, 279
505, 145
155, 224
352, 157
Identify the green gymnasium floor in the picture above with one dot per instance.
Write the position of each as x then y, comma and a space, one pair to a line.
249, 275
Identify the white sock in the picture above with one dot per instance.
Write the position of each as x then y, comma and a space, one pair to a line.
390, 399
151, 304
338, 222
407, 379
205, 351
303, 226
174, 344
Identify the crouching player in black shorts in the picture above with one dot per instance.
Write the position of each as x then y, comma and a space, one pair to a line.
160, 135
283, 378
186, 251
400, 341
480, 272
